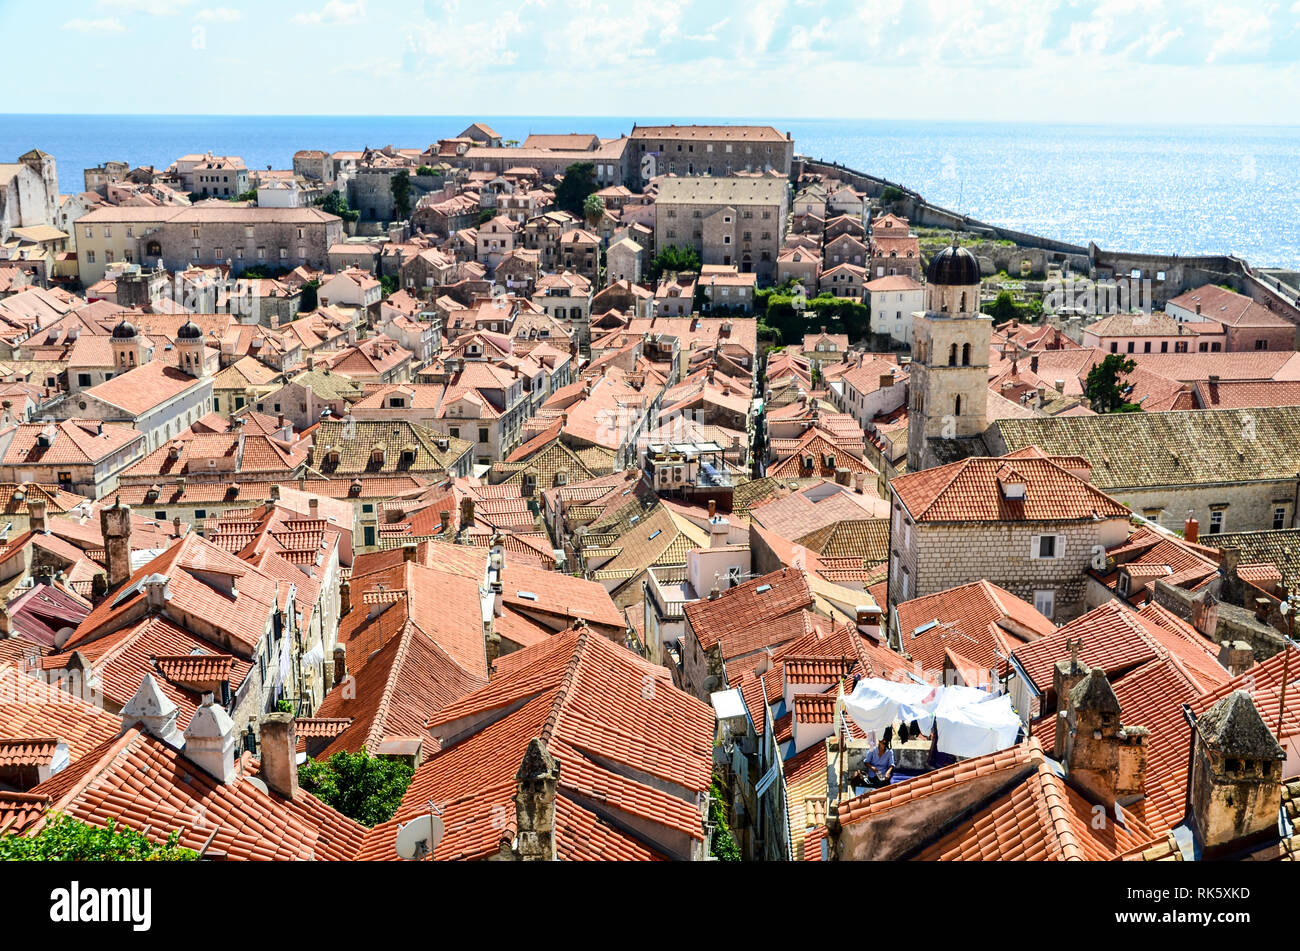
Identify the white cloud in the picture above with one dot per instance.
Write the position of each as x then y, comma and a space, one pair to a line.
334, 13
1238, 31
158, 8
219, 15
106, 25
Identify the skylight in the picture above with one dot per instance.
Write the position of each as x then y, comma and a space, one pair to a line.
526, 595
763, 589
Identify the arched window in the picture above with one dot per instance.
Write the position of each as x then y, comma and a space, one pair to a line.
965, 354
963, 302
956, 405
952, 356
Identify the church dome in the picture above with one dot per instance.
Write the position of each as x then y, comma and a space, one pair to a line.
189, 331
124, 331
953, 266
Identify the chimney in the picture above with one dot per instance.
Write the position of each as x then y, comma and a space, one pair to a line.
210, 741
36, 514
1236, 657
719, 528
409, 552
279, 751
444, 520
156, 591
842, 476
115, 523
466, 513
345, 598
535, 787
713, 507
1105, 760
859, 482
313, 507
152, 710
1236, 781
1198, 309
1060, 386
176, 526
491, 645
1191, 529
1033, 363
1065, 675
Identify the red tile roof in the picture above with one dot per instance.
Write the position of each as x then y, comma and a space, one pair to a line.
744, 608
591, 702
970, 490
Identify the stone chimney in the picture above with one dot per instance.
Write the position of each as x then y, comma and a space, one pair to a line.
409, 552
279, 751
535, 787
345, 598
859, 482
210, 741
151, 709
466, 513
36, 514
444, 522
1066, 674
156, 591
1191, 529
1236, 657
115, 523
1236, 781
176, 526
1103, 759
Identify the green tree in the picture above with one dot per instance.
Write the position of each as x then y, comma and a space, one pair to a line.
579, 182
424, 171
1004, 308
309, 301
673, 258
335, 203
1103, 386
593, 209
724, 847
363, 787
65, 839
250, 195
390, 284
891, 194
486, 215
400, 186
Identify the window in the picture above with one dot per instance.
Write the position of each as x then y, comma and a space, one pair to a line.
1045, 602
482, 435
1261, 344
1216, 522
1047, 546
1279, 517
161, 516
83, 379
65, 478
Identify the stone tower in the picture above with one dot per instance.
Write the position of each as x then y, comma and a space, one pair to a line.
948, 388
43, 164
189, 349
115, 523
1236, 782
129, 348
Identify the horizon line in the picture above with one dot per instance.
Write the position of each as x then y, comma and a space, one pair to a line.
1162, 123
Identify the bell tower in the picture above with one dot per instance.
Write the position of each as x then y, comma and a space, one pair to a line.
948, 386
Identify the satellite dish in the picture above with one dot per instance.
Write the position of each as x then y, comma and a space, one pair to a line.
259, 783
419, 837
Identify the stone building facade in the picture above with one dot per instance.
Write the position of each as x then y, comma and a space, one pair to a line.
728, 221
695, 150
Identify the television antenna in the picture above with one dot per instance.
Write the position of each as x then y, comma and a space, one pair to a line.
419, 837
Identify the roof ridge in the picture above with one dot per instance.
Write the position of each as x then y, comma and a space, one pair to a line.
380, 719
562, 692
1055, 792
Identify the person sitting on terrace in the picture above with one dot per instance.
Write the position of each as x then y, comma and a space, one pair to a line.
878, 764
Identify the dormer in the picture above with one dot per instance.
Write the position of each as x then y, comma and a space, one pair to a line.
1011, 484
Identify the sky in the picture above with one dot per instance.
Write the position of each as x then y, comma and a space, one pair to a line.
1091, 61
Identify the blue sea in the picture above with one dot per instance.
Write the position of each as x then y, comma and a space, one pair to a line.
1151, 188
